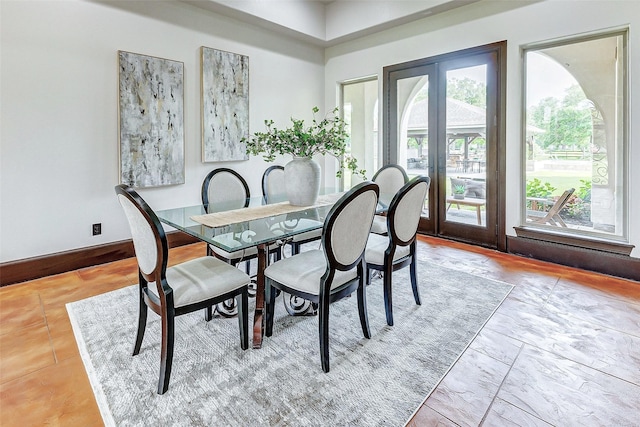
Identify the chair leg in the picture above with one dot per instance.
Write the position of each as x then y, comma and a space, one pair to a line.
270, 302
295, 248
323, 329
362, 308
414, 279
243, 318
142, 324
388, 300
166, 352
208, 313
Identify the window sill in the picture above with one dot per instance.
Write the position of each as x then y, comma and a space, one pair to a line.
603, 245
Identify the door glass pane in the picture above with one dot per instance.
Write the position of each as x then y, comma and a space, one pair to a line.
413, 128
575, 135
466, 145
360, 110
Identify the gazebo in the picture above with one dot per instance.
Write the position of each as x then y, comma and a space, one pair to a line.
464, 122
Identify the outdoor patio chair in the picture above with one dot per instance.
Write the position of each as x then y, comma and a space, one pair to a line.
552, 216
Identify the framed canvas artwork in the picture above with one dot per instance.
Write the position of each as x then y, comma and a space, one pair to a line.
225, 105
151, 120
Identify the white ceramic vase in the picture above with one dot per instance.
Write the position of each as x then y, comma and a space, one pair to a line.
302, 181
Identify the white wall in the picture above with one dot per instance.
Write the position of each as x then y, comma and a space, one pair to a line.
59, 92
59, 95
519, 23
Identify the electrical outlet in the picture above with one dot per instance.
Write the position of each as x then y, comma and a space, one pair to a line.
97, 229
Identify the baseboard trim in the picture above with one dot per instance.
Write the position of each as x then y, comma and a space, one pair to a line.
48, 265
572, 256
61, 262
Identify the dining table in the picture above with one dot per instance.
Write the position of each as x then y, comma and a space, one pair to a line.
258, 225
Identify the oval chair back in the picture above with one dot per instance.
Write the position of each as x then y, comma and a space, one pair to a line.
273, 183
149, 238
405, 210
390, 178
225, 186
346, 228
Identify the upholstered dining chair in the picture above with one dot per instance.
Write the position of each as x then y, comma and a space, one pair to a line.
227, 188
273, 188
390, 178
326, 275
397, 249
180, 289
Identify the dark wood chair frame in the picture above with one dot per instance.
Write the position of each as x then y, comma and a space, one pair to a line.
389, 265
327, 295
163, 305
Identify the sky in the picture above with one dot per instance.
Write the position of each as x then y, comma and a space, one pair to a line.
545, 78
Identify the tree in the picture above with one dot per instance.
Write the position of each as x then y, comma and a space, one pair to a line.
566, 122
467, 90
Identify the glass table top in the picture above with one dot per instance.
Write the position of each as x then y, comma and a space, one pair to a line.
244, 234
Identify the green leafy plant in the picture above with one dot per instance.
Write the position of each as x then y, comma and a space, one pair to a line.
459, 189
326, 136
535, 188
584, 192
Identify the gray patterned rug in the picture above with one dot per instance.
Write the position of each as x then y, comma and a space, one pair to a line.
380, 381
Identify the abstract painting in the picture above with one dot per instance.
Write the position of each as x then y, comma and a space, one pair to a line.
225, 105
151, 118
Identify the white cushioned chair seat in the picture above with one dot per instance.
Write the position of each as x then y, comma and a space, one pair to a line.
379, 225
242, 253
377, 244
200, 279
303, 272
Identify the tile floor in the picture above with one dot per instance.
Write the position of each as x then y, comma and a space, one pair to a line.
563, 349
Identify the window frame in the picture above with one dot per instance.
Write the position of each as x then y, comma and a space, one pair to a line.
614, 243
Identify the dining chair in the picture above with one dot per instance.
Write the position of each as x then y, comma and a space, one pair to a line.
273, 189
226, 189
180, 289
397, 249
326, 275
390, 178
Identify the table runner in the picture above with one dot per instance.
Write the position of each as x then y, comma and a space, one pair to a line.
219, 219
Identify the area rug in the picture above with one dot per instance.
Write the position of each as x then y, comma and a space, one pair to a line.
377, 381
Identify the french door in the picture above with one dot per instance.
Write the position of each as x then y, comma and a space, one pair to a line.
443, 118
